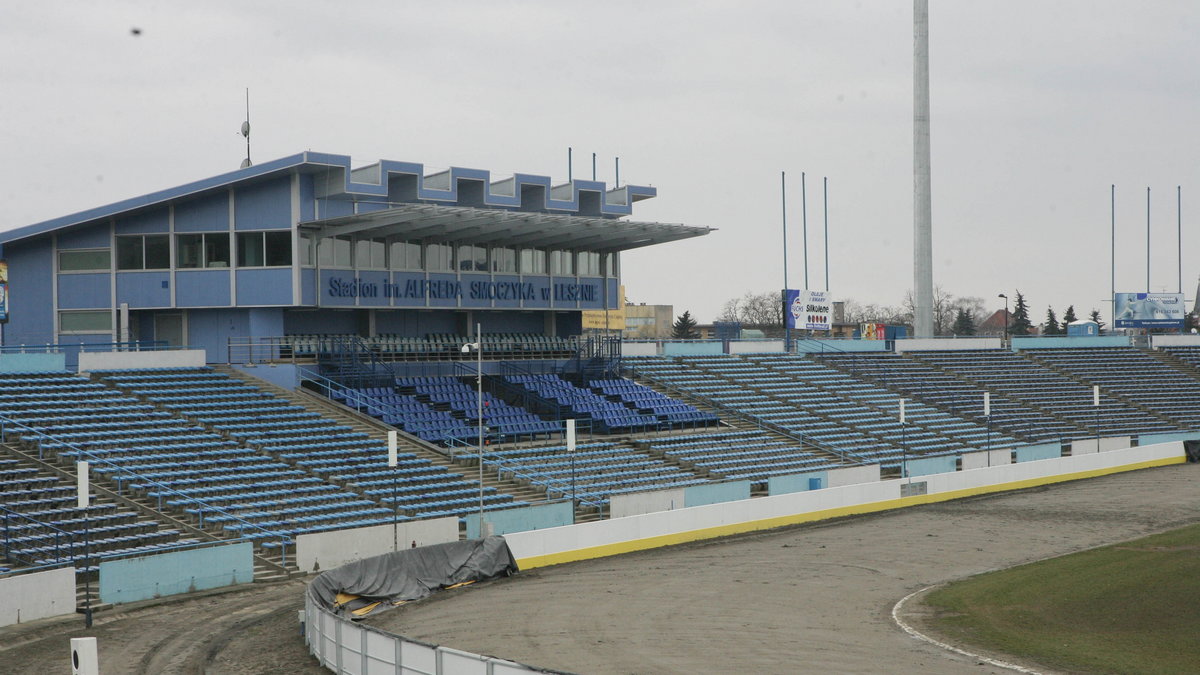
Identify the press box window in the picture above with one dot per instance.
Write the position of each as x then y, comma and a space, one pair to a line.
472, 258
334, 252
95, 260
202, 250
504, 260
533, 261
85, 322
561, 263
150, 252
405, 255
264, 249
370, 254
589, 264
439, 257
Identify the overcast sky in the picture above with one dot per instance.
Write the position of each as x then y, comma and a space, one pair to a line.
1037, 108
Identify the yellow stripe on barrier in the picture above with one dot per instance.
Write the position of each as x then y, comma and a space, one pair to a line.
659, 541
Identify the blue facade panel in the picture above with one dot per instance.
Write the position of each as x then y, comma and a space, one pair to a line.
308, 287
151, 222
208, 214
307, 197
210, 330
375, 279
266, 321
317, 323
443, 290
266, 206
539, 288
84, 291
144, 289
334, 208
264, 286
506, 291
93, 236
338, 288
202, 288
30, 275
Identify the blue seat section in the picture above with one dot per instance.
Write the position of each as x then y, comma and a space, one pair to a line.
645, 400
741, 455
1031, 383
502, 421
288, 477
597, 470
606, 416
414, 412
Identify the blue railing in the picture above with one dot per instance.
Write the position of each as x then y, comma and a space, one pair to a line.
9, 425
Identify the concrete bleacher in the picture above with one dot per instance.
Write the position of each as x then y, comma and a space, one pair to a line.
592, 474
740, 455
340, 473
1136, 376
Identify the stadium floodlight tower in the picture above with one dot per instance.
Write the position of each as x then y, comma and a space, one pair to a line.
922, 199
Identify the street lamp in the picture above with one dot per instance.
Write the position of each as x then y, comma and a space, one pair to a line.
477, 345
1005, 316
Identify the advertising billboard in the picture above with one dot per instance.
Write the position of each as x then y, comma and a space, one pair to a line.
1148, 310
3, 291
809, 310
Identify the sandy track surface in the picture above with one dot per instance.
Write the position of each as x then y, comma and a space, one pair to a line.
808, 599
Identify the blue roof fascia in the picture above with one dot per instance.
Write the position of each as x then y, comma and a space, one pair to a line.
101, 212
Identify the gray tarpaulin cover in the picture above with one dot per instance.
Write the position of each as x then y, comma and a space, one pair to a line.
410, 574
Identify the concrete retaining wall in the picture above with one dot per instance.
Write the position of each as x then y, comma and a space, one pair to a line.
175, 572
167, 358
326, 550
37, 595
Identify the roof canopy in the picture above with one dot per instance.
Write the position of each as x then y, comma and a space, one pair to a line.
494, 227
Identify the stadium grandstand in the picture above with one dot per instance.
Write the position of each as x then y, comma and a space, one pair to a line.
300, 349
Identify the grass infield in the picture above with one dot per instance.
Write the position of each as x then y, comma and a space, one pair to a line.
1128, 608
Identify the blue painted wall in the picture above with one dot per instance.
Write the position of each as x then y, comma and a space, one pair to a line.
265, 206
284, 375
801, 482
931, 465
32, 363
207, 214
134, 579
1151, 439
202, 288
522, 518
716, 493
1031, 453
264, 286
306, 197
1019, 343
31, 279
151, 222
210, 329
84, 291
93, 236
144, 290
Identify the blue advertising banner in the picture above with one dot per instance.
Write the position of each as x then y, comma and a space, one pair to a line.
809, 310
1148, 310
3, 291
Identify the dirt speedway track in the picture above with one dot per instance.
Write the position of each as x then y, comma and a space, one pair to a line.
813, 598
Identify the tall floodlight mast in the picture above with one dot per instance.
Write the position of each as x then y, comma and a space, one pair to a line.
922, 199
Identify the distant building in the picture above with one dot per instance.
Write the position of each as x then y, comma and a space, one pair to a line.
649, 321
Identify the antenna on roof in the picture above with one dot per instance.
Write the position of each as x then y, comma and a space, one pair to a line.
246, 131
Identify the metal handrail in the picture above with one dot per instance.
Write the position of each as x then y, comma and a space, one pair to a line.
6, 423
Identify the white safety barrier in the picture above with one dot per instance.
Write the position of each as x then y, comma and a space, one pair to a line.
37, 595
326, 550
346, 647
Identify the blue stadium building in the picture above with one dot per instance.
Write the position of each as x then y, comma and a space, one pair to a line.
308, 245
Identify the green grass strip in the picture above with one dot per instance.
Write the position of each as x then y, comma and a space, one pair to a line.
1128, 608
